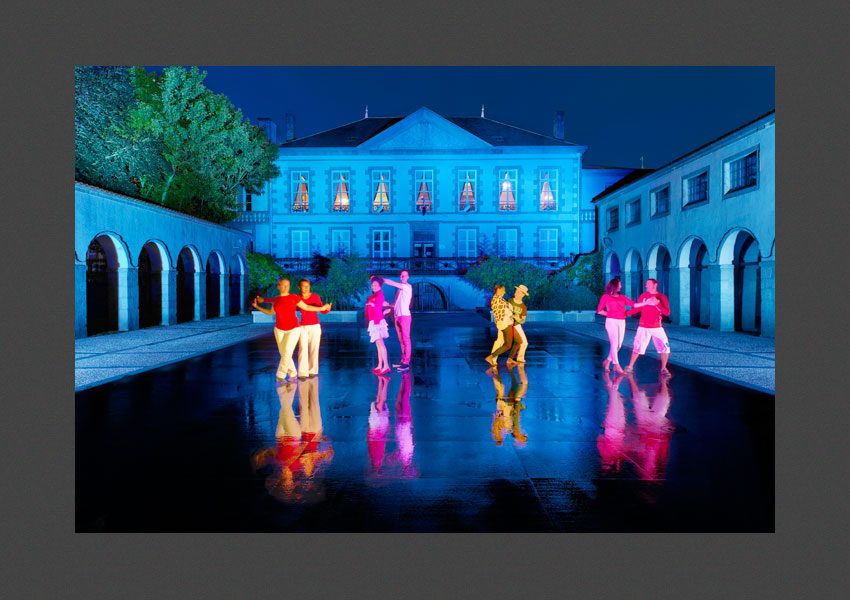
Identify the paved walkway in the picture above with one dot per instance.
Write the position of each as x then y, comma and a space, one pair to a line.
742, 359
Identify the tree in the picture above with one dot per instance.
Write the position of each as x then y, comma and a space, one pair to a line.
209, 150
347, 281
263, 274
106, 152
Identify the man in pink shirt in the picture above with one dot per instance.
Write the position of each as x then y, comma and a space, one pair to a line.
649, 326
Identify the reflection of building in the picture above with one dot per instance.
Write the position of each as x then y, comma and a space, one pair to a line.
139, 265
704, 227
431, 194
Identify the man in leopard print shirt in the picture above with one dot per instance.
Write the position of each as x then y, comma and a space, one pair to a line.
504, 320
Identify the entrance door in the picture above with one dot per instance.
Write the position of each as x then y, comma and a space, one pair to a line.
424, 248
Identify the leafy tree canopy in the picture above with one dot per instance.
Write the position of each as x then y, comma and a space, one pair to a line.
183, 146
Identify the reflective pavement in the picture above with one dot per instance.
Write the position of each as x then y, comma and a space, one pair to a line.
215, 443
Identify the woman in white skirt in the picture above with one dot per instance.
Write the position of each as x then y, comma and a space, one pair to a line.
612, 306
377, 325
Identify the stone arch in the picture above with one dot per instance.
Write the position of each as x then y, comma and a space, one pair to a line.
216, 271
658, 264
188, 284
740, 290
633, 281
108, 293
612, 266
236, 289
693, 284
428, 296
154, 278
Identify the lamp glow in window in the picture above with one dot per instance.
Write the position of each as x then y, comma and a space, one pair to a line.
341, 198
467, 195
424, 180
548, 201
381, 201
507, 201
302, 199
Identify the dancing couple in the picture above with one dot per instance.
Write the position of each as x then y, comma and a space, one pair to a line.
288, 332
652, 306
509, 316
377, 307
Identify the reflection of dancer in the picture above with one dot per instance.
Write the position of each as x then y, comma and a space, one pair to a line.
503, 318
649, 326
297, 457
611, 442
612, 305
379, 425
402, 317
377, 325
286, 331
654, 429
507, 415
311, 333
404, 426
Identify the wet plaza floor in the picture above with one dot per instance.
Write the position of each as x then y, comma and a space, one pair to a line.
215, 443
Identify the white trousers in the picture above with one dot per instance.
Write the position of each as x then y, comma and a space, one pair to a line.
286, 342
308, 350
616, 329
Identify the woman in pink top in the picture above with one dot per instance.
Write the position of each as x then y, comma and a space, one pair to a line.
612, 305
377, 325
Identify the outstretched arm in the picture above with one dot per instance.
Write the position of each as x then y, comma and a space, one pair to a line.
304, 306
256, 304
394, 284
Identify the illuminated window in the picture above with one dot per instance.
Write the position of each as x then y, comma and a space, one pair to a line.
381, 243
613, 218
548, 243
507, 187
508, 242
549, 189
467, 243
424, 185
381, 186
633, 211
340, 186
466, 186
300, 185
741, 173
300, 243
341, 242
659, 201
695, 189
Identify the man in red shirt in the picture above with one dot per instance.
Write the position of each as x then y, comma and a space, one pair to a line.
649, 326
311, 333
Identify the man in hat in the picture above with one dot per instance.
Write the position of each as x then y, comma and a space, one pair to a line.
520, 310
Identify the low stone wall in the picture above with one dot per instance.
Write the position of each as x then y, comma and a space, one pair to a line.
557, 316
335, 316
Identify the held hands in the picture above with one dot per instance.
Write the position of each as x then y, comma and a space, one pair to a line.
326, 307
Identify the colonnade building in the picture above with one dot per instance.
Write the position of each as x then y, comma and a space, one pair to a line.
704, 227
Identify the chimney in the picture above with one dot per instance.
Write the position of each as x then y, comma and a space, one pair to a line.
270, 127
290, 127
558, 125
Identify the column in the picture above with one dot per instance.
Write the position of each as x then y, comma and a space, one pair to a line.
243, 282
128, 299
722, 297
768, 298
200, 295
223, 293
680, 295
169, 297
80, 301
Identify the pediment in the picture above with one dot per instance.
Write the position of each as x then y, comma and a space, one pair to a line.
424, 130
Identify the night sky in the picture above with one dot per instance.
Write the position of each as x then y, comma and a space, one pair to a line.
621, 113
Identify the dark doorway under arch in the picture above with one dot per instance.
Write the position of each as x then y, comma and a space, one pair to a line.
747, 277
101, 289
185, 287
700, 291
150, 287
428, 297
213, 287
662, 269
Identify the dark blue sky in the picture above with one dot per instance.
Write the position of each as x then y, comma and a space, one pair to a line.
621, 113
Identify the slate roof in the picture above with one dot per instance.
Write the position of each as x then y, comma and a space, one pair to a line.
492, 132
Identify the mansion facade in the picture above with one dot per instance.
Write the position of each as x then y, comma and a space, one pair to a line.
428, 192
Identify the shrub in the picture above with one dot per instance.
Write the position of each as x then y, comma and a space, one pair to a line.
509, 273
346, 282
263, 273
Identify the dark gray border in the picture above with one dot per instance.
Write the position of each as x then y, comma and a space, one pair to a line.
49, 560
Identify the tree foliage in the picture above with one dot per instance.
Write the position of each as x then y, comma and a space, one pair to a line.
509, 273
168, 139
263, 273
346, 283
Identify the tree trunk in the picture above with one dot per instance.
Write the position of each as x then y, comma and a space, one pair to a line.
167, 185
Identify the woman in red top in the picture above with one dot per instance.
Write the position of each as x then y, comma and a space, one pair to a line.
286, 331
377, 325
612, 305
